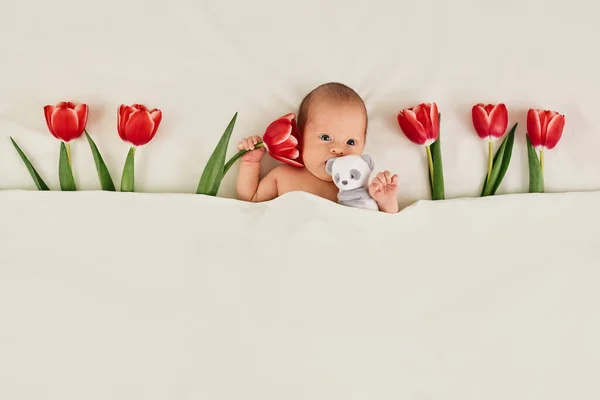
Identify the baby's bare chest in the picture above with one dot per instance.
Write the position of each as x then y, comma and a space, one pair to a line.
309, 184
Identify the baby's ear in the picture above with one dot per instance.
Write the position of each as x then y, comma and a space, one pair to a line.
329, 165
369, 160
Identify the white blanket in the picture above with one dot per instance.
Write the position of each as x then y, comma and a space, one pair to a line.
138, 296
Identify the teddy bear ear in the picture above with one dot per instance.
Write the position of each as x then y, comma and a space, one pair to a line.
369, 160
329, 165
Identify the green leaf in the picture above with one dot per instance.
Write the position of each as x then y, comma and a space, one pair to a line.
500, 164
213, 172
106, 181
536, 179
510, 141
128, 178
37, 179
65, 173
438, 192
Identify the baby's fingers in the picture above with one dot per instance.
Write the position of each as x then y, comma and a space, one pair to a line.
242, 145
247, 144
376, 186
385, 177
388, 177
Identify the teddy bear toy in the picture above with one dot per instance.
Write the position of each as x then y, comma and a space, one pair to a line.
351, 175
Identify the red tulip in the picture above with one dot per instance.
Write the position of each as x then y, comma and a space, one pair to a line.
490, 121
66, 121
544, 128
420, 124
282, 140
136, 124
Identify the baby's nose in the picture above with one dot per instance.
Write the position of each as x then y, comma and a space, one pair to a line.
336, 150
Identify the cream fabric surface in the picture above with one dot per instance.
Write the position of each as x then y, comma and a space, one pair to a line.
118, 296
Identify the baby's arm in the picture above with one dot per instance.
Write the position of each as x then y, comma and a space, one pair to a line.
249, 186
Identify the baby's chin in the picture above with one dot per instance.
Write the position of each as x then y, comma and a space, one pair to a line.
320, 172
325, 177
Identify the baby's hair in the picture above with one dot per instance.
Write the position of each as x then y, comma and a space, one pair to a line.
331, 91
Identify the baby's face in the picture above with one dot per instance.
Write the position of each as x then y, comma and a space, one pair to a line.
332, 130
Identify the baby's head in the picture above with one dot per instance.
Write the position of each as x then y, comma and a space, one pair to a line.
332, 121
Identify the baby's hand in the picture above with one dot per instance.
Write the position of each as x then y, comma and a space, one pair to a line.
383, 189
248, 144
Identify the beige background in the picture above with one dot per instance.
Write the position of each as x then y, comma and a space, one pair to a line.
201, 61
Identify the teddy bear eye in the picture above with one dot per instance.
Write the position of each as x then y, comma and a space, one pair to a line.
355, 174
336, 178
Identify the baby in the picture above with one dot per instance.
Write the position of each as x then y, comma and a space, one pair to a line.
333, 122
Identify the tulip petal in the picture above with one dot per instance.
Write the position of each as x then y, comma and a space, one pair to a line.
422, 113
82, 117
290, 142
277, 132
544, 120
481, 121
48, 110
488, 108
434, 133
65, 123
534, 128
122, 118
291, 153
554, 132
498, 121
411, 127
287, 161
139, 128
156, 116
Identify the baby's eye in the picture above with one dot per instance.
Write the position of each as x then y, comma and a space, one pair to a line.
325, 137
351, 142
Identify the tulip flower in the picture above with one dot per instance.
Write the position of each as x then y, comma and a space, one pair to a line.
66, 122
136, 125
490, 122
544, 130
421, 125
282, 141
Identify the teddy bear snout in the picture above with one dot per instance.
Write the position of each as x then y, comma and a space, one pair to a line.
344, 182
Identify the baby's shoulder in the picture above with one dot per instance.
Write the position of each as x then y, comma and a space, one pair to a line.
285, 170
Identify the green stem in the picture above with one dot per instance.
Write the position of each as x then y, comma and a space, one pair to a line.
68, 147
430, 161
490, 158
128, 177
237, 157
542, 161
